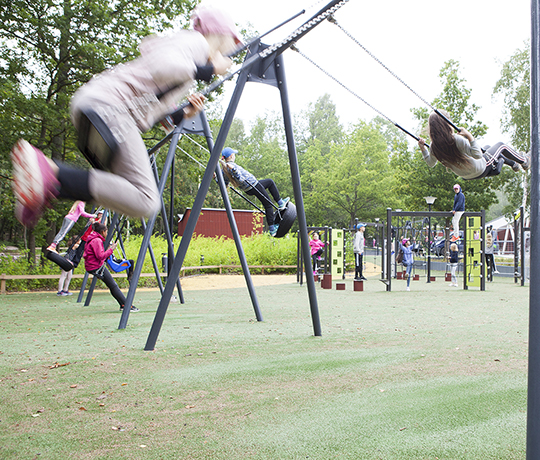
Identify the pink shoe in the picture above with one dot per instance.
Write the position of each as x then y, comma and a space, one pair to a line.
34, 182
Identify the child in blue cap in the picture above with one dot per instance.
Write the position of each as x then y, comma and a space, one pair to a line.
246, 181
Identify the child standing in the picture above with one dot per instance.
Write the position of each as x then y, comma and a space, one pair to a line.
408, 260
454, 259
359, 243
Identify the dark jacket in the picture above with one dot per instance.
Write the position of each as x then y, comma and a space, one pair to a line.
454, 257
459, 202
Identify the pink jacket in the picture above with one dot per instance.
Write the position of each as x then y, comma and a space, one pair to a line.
94, 253
316, 245
79, 211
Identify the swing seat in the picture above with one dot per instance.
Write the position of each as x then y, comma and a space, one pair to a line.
285, 218
117, 265
96, 141
62, 262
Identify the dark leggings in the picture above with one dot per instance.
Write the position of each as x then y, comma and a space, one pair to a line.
260, 192
358, 264
315, 259
103, 274
497, 156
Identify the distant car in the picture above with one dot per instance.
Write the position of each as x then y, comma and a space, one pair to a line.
437, 247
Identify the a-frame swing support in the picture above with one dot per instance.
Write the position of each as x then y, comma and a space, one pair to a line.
533, 394
261, 63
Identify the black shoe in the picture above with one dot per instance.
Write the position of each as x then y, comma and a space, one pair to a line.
131, 309
363, 278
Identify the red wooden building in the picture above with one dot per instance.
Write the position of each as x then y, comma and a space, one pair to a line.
215, 223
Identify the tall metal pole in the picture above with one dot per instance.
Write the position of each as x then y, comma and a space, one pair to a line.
533, 399
429, 246
299, 200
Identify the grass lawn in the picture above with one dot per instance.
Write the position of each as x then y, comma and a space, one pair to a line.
435, 373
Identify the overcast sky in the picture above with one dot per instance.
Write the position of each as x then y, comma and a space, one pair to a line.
412, 38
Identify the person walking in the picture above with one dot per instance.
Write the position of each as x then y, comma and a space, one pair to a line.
408, 260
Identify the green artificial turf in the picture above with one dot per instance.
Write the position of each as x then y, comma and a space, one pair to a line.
435, 373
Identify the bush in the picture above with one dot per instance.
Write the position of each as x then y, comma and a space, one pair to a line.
259, 249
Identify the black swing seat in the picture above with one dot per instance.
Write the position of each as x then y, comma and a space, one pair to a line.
62, 262
285, 218
96, 141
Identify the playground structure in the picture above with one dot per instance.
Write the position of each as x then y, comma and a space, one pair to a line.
474, 245
263, 64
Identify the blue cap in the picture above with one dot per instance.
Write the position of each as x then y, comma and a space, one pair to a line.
359, 226
227, 152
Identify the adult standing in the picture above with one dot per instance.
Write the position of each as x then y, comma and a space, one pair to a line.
457, 210
359, 244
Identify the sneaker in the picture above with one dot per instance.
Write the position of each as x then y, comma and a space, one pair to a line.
363, 278
67, 293
516, 167
52, 248
283, 203
34, 181
527, 163
408, 288
273, 229
60, 293
496, 271
131, 309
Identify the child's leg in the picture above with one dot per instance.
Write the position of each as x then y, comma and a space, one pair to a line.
67, 281
264, 198
67, 225
61, 281
270, 185
130, 188
500, 148
107, 278
453, 268
408, 272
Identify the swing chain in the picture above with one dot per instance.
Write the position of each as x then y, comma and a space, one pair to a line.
295, 48
302, 29
334, 21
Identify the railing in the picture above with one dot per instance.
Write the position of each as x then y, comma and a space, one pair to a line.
4, 278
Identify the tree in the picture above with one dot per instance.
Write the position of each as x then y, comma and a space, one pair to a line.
514, 84
357, 179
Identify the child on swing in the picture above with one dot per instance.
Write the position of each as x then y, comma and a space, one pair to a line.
76, 211
246, 181
461, 153
95, 256
130, 99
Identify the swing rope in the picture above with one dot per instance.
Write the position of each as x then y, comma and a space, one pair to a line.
370, 54
295, 48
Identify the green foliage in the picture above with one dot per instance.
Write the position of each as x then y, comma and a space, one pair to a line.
260, 249
514, 85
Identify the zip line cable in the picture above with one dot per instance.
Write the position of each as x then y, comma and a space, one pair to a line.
370, 54
294, 48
